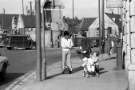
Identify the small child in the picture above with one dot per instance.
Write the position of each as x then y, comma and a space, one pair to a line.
90, 64
95, 57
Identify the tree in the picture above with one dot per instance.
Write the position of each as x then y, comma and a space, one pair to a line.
71, 22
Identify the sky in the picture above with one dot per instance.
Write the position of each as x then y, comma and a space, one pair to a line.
12, 6
83, 8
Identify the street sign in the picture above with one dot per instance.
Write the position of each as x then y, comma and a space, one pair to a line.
114, 4
54, 17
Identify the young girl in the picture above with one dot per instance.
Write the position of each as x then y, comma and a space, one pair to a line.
91, 65
95, 57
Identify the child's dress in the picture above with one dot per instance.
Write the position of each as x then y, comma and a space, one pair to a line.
88, 64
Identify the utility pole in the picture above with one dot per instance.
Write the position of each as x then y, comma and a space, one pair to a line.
100, 34
44, 73
4, 10
101, 23
22, 7
3, 19
31, 12
38, 40
73, 9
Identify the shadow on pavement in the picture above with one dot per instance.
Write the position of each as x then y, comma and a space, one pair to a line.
111, 58
74, 71
52, 76
101, 71
10, 77
77, 69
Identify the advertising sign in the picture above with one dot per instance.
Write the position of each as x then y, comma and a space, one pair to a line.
114, 3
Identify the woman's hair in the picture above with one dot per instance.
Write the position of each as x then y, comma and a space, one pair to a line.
66, 33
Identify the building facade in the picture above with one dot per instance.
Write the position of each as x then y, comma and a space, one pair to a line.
93, 29
128, 40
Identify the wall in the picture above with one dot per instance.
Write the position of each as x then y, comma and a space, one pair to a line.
129, 44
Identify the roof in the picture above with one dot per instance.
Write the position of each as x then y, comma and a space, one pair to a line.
47, 4
86, 22
83, 25
29, 21
53, 3
6, 20
117, 18
76, 28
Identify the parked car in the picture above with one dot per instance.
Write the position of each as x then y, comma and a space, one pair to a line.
3, 67
19, 42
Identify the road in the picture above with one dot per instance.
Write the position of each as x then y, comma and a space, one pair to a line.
23, 61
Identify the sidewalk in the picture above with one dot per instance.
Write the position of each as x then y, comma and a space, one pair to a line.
110, 78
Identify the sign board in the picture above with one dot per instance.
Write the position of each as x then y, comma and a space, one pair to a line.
53, 18
114, 3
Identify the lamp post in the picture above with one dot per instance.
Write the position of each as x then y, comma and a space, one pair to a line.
38, 40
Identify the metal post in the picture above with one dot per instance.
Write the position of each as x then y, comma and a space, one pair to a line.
100, 34
44, 73
22, 7
38, 39
101, 22
73, 9
31, 8
52, 39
